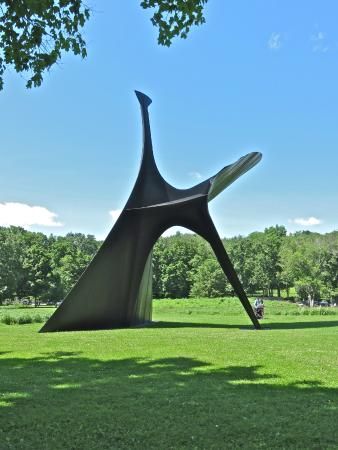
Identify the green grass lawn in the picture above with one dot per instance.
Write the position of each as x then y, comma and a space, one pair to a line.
198, 378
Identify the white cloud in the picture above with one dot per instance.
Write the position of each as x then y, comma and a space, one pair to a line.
319, 42
275, 41
22, 215
115, 214
309, 222
196, 175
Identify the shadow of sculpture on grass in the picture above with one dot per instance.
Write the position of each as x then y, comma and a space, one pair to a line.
265, 325
64, 400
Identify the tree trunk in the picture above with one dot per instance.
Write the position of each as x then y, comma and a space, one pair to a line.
311, 301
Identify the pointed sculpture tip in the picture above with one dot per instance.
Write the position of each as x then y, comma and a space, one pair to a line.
254, 157
143, 99
258, 155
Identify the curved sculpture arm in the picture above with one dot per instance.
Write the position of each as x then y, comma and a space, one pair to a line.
230, 173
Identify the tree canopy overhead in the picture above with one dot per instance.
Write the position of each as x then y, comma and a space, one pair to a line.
175, 17
35, 33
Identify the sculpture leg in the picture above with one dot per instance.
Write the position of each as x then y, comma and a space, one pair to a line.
115, 289
143, 306
217, 245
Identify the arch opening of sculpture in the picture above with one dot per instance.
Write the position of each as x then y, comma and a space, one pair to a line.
115, 290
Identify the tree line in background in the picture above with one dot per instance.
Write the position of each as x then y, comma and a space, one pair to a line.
39, 268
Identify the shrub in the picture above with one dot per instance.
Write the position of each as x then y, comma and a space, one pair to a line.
39, 319
7, 319
318, 312
21, 320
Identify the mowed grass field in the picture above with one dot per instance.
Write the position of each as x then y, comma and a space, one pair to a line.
198, 378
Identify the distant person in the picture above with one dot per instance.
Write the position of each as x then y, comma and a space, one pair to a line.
259, 308
257, 302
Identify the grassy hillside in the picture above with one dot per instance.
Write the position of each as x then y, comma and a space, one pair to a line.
198, 378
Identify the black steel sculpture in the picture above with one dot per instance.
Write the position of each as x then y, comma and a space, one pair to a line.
115, 290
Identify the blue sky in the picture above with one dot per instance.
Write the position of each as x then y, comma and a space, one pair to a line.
259, 75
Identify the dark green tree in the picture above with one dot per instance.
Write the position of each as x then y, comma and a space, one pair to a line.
39, 281
209, 280
175, 17
308, 289
274, 237
8, 280
70, 256
174, 261
13, 241
35, 33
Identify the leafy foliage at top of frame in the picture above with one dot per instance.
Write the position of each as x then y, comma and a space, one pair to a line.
34, 33
175, 17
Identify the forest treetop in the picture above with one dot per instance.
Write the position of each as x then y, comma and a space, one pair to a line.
305, 264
